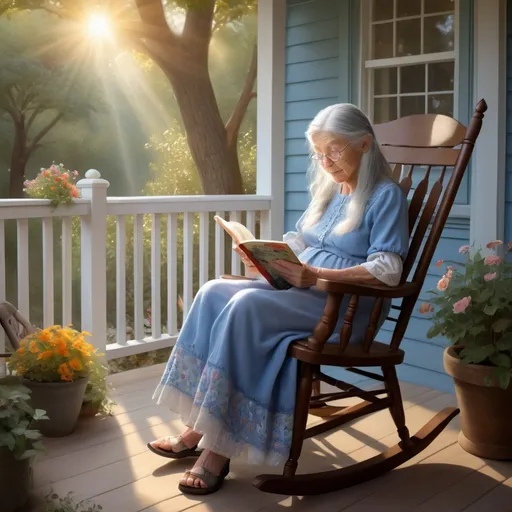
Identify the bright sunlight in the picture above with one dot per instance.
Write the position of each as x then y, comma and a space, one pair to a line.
98, 25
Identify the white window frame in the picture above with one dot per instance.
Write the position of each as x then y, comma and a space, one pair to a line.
365, 82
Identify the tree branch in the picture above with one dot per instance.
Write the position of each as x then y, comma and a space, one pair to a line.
198, 24
32, 117
235, 121
42, 133
152, 13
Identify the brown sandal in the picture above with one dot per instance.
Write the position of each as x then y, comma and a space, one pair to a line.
213, 482
179, 449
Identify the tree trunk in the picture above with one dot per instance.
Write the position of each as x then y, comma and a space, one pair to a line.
18, 162
216, 160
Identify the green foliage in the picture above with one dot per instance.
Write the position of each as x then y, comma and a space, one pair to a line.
97, 392
16, 417
55, 503
473, 309
174, 171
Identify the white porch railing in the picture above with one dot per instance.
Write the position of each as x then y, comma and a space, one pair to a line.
123, 254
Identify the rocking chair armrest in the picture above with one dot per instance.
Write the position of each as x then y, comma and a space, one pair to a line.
362, 290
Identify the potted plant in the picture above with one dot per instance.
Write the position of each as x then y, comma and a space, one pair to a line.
55, 365
472, 307
55, 183
96, 399
19, 443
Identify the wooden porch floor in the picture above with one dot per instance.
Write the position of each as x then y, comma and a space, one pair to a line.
107, 461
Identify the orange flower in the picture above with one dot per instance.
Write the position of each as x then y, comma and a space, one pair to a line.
62, 349
44, 336
52, 188
76, 364
66, 376
63, 368
33, 347
45, 355
21, 351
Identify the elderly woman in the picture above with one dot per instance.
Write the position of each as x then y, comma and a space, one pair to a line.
229, 377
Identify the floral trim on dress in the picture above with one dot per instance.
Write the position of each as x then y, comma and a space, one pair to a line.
232, 424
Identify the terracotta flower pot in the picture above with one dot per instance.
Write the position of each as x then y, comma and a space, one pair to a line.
485, 410
62, 402
15, 481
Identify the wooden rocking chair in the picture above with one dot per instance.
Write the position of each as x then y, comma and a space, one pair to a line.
424, 141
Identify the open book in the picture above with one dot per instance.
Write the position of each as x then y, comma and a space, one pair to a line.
260, 252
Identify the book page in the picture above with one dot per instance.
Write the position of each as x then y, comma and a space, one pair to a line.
238, 232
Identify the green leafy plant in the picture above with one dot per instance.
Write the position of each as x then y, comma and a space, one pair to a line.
472, 307
98, 389
16, 417
55, 183
55, 503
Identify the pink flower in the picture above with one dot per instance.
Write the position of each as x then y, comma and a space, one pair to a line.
490, 277
461, 305
494, 244
443, 284
492, 260
439, 263
464, 249
426, 308
449, 273
75, 173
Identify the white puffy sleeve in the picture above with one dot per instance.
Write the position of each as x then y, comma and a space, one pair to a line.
296, 241
385, 266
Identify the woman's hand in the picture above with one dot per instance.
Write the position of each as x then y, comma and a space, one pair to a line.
300, 276
250, 268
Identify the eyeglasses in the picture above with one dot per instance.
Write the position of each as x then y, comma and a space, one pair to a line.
333, 157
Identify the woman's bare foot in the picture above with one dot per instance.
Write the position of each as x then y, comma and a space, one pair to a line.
187, 440
209, 461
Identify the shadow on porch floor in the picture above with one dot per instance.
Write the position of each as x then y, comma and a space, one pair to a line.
107, 461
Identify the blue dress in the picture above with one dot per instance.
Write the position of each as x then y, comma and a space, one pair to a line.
229, 376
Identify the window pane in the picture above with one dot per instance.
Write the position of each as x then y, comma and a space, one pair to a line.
384, 110
439, 6
440, 104
438, 33
408, 37
412, 105
412, 78
408, 8
441, 76
385, 81
383, 41
382, 10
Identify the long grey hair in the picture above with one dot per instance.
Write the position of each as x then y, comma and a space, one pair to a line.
347, 121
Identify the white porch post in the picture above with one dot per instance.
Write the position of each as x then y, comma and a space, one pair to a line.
270, 110
489, 161
93, 246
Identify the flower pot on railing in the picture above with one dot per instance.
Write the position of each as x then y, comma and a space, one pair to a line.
55, 364
472, 309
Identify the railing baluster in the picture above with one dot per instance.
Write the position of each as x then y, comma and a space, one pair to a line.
48, 292
120, 279
2, 279
172, 274
138, 277
188, 263
265, 233
67, 271
235, 259
251, 225
23, 268
219, 248
156, 261
204, 234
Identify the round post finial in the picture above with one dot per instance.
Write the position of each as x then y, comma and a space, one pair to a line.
93, 174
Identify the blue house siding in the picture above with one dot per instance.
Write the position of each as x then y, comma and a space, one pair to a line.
322, 67
508, 178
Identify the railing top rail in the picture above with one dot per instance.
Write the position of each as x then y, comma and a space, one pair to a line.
186, 204
13, 209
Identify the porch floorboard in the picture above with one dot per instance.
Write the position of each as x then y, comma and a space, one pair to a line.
108, 462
